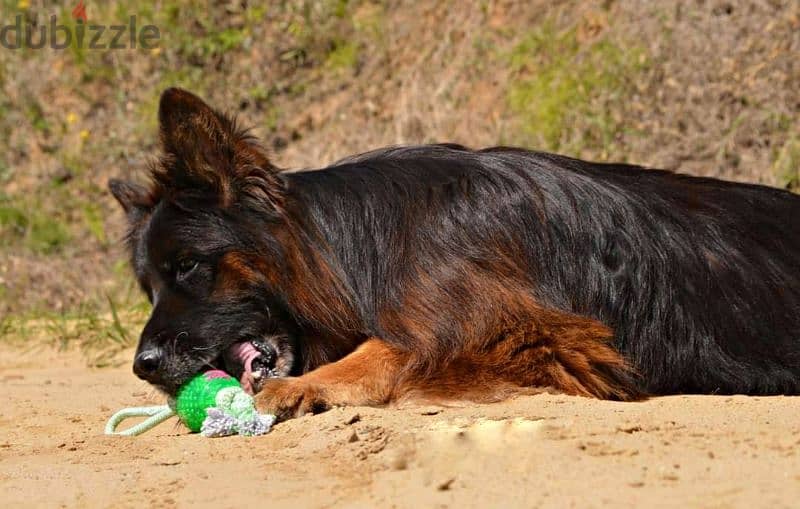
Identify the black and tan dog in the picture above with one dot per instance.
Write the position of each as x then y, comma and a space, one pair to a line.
443, 273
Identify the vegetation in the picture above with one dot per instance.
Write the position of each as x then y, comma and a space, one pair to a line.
559, 80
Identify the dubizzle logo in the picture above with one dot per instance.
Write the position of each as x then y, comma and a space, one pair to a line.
31, 32
79, 12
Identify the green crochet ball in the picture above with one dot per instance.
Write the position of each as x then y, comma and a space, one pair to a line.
199, 394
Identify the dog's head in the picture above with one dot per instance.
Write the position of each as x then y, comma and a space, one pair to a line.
202, 251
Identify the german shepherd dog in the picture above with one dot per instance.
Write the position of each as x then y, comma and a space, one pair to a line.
440, 273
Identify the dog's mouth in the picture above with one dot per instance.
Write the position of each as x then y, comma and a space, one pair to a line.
252, 359
255, 360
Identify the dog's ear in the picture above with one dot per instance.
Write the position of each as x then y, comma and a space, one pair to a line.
205, 150
134, 198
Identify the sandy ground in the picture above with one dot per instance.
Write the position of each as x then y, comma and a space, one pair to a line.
541, 451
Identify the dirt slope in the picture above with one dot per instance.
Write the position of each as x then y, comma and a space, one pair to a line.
542, 451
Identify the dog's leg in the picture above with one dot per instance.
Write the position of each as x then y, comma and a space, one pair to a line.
571, 353
367, 376
549, 349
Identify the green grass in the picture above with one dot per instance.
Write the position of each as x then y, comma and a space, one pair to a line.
100, 333
35, 230
13, 221
787, 164
562, 88
5, 171
46, 235
331, 32
48, 220
343, 56
93, 219
211, 32
36, 115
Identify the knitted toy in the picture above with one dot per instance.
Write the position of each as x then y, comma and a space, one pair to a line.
212, 403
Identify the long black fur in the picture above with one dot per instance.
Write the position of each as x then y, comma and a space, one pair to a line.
699, 278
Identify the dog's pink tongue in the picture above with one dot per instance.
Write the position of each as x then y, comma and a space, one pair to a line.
245, 353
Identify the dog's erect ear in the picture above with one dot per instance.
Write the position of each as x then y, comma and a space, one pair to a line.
135, 199
205, 150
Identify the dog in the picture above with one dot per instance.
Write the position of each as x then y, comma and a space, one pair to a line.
438, 273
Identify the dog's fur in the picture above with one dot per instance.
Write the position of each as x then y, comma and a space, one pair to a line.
445, 273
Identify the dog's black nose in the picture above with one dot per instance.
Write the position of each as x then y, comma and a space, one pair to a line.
146, 364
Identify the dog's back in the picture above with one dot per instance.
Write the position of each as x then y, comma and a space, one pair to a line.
699, 278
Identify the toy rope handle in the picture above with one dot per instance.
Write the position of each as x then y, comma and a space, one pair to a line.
157, 414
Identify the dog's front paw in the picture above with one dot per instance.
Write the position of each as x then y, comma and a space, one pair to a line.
291, 397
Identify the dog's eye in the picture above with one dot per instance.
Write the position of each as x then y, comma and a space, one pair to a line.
185, 266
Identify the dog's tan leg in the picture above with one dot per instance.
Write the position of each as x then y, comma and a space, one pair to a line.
367, 376
549, 350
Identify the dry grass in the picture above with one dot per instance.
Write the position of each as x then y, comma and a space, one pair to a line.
710, 88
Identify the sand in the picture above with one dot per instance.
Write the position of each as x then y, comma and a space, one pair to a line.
538, 451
